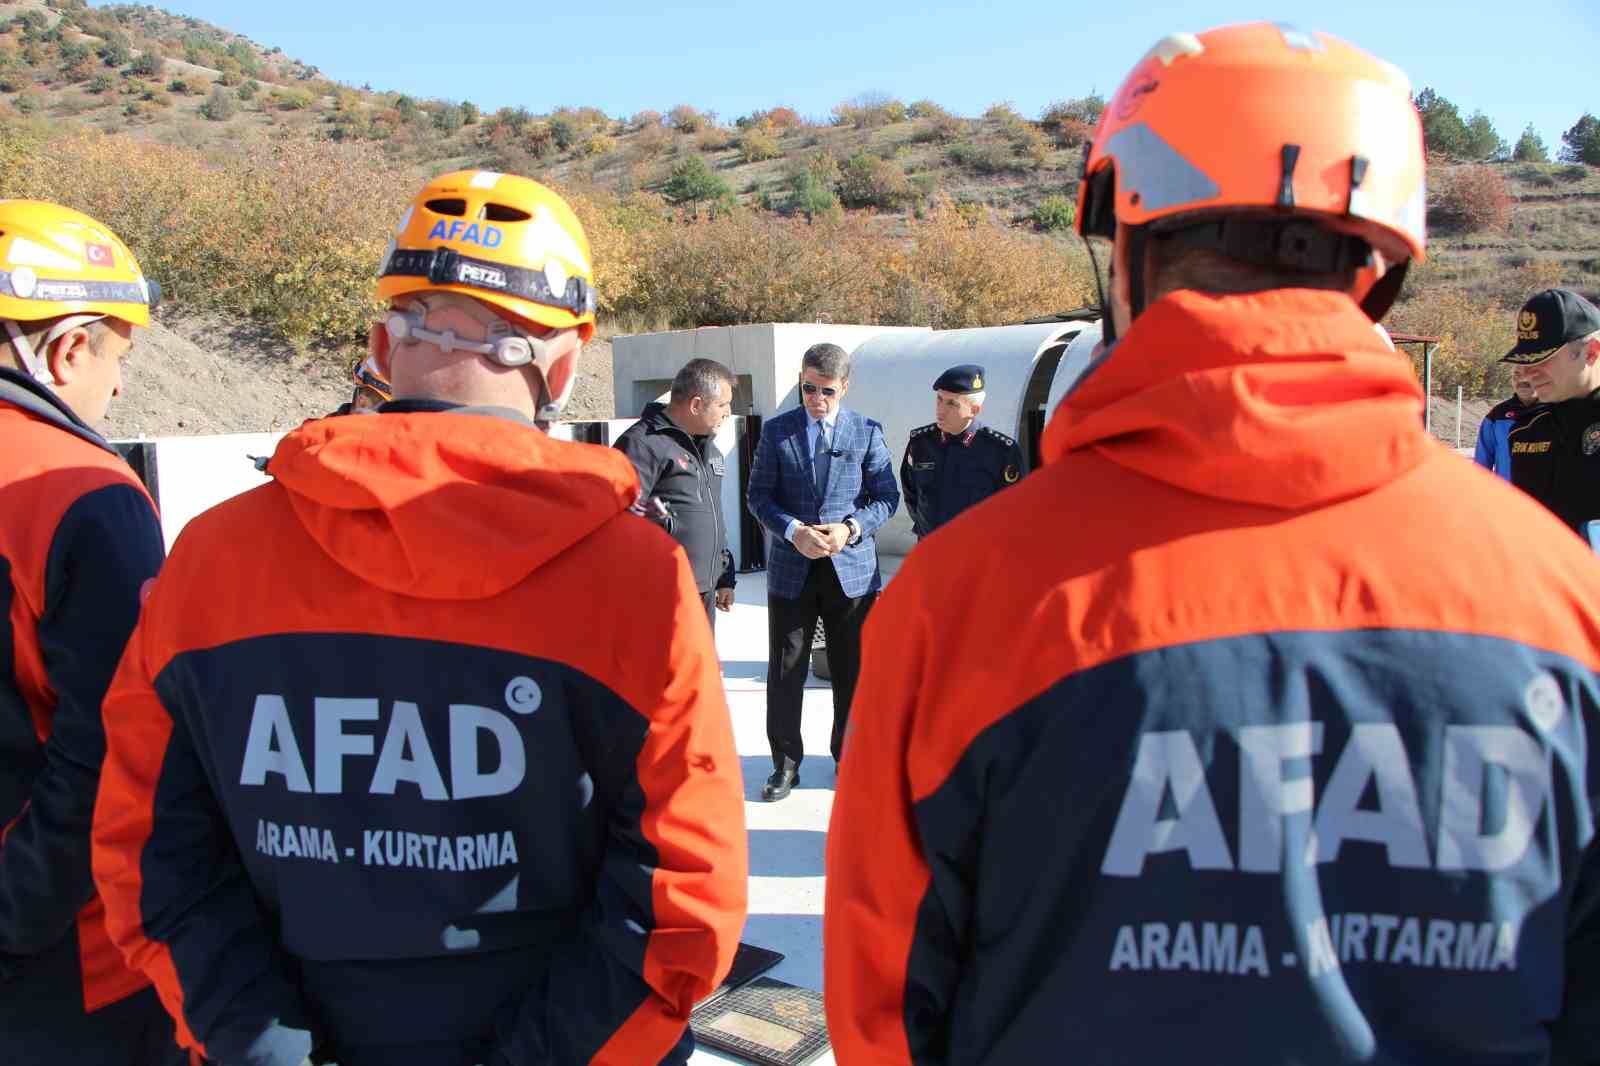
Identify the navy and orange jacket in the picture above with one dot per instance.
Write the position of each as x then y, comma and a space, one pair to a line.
1206, 742
78, 538
421, 753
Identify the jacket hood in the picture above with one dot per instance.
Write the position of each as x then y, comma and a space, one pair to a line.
1284, 399
446, 506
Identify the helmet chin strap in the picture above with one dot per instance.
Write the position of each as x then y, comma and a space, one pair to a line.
30, 360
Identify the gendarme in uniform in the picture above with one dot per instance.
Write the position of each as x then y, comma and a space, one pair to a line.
1555, 449
943, 473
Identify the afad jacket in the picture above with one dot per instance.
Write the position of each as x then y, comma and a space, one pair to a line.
420, 754
79, 537
685, 473
1285, 753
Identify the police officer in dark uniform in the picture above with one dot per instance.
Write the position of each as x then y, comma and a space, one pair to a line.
1555, 449
955, 461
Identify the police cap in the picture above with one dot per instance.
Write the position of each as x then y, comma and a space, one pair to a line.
963, 380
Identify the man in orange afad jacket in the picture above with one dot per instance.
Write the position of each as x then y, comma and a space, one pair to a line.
420, 754
1270, 737
79, 537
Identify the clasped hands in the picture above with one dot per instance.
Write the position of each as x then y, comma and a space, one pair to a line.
817, 542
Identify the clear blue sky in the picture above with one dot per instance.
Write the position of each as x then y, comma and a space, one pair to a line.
1535, 61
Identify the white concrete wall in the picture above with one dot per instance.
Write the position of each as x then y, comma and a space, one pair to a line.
1073, 364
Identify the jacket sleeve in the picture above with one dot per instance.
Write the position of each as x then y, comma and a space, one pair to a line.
908, 487
877, 482
178, 902
891, 942
761, 494
1483, 453
106, 546
670, 897
637, 448
1575, 1035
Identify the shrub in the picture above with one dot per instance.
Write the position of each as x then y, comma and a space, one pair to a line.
686, 119
449, 119
102, 83
1028, 144
220, 106
1473, 198
784, 118
756, 144
1576, 172
869, 111
597, 144
1054, 213
1473, 336
30, 101
1002, 112
926, 109
940, 129
564, 132
714, 138
149, 64
268, 232
115, 51
652, 141
1071, 122
249, 89
469, 113
291, 99
867, 181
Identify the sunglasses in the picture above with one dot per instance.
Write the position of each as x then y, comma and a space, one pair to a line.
811, 390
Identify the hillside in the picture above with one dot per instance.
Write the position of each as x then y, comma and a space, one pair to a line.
900, 185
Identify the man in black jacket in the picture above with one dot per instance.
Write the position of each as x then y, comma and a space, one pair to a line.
680, 473
1555, 449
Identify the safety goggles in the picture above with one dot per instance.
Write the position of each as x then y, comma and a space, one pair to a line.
811, 390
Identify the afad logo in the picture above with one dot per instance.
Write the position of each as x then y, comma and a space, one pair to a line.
467, 233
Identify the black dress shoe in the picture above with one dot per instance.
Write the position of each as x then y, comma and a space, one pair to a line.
779, 784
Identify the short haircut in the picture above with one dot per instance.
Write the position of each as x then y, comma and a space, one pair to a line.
700, 377
1174, 267
829, 360
36, 331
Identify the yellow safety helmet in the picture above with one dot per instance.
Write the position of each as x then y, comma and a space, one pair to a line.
500, 238
55, 261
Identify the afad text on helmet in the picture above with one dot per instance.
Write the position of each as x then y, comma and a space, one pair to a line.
466, 232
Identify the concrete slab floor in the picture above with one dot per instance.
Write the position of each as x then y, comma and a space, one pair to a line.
786, 838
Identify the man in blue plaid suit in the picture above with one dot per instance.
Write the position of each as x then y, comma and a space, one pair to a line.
821, 484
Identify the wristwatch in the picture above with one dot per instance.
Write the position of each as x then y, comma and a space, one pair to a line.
855, 531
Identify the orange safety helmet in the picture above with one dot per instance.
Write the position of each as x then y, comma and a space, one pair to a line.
1280, 126
59, 263
500, 238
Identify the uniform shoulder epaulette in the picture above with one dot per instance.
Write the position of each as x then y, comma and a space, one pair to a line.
997, 435
929, 428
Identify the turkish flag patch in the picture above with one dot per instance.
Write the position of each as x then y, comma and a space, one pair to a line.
100, 254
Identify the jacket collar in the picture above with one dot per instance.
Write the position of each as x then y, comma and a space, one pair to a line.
21, 391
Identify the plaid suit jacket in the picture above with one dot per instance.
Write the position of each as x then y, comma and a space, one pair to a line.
861, 485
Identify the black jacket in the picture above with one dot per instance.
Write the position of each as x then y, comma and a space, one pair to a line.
941, 475
685, 474
1555, 458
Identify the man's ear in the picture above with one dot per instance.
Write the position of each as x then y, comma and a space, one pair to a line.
1591, 351
68, 353
378, 347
